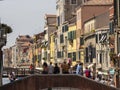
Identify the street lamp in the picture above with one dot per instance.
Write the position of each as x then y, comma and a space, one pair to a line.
3, 37
117, 37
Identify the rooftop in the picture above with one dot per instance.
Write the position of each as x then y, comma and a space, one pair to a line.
99, 2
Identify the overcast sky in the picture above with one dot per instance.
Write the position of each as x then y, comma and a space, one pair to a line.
26, 17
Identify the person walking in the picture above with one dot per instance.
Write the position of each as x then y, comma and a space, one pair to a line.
11, 76
65, 68
50, 68
31, 69
87, 72
79, 69
56, 69
45, 68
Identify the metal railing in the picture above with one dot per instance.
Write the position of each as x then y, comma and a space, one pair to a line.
19, 71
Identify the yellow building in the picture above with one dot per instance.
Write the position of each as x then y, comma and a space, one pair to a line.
71, 47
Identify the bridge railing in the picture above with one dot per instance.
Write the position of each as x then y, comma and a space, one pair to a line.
39, 82
19, 71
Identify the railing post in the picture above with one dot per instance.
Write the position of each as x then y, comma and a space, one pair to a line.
1, 66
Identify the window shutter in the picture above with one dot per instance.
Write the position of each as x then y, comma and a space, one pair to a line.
81, 41
74, 56
61, 38
74, 34
58, 20
86, 52
66, 28
100, 36
59, 54
96, 38
111, 27
69, 55
63, 29
68, 35
94, 52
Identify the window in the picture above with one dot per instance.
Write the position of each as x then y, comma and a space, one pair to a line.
61, 39
64, 28
39, 57
74, 56
86, 52
79, 55
81, 40
96, 38
59, 54
111, 25
73, 1
69, 55
72, 35
45, 31
58, 20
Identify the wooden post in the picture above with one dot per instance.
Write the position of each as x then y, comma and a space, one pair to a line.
1, 66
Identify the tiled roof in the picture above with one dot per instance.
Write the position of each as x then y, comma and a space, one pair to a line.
50, 15
98, 2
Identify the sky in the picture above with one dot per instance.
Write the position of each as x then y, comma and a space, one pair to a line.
25, 17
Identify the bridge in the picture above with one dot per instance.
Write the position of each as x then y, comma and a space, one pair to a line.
56, 82
20, 72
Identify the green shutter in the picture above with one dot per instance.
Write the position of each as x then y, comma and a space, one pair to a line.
66, 28
71, 35
68, 35
74, 56
74, 34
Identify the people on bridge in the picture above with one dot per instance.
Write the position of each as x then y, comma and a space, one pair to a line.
45, 68
65, 68
31, 69
56, 69
12, 76
79, 69
87, 72
50, 68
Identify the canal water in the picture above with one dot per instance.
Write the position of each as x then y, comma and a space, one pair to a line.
5, 80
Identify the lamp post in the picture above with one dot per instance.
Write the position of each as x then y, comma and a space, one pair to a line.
117, 42
2, 43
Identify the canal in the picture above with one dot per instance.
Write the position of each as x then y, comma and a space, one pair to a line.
5, 81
